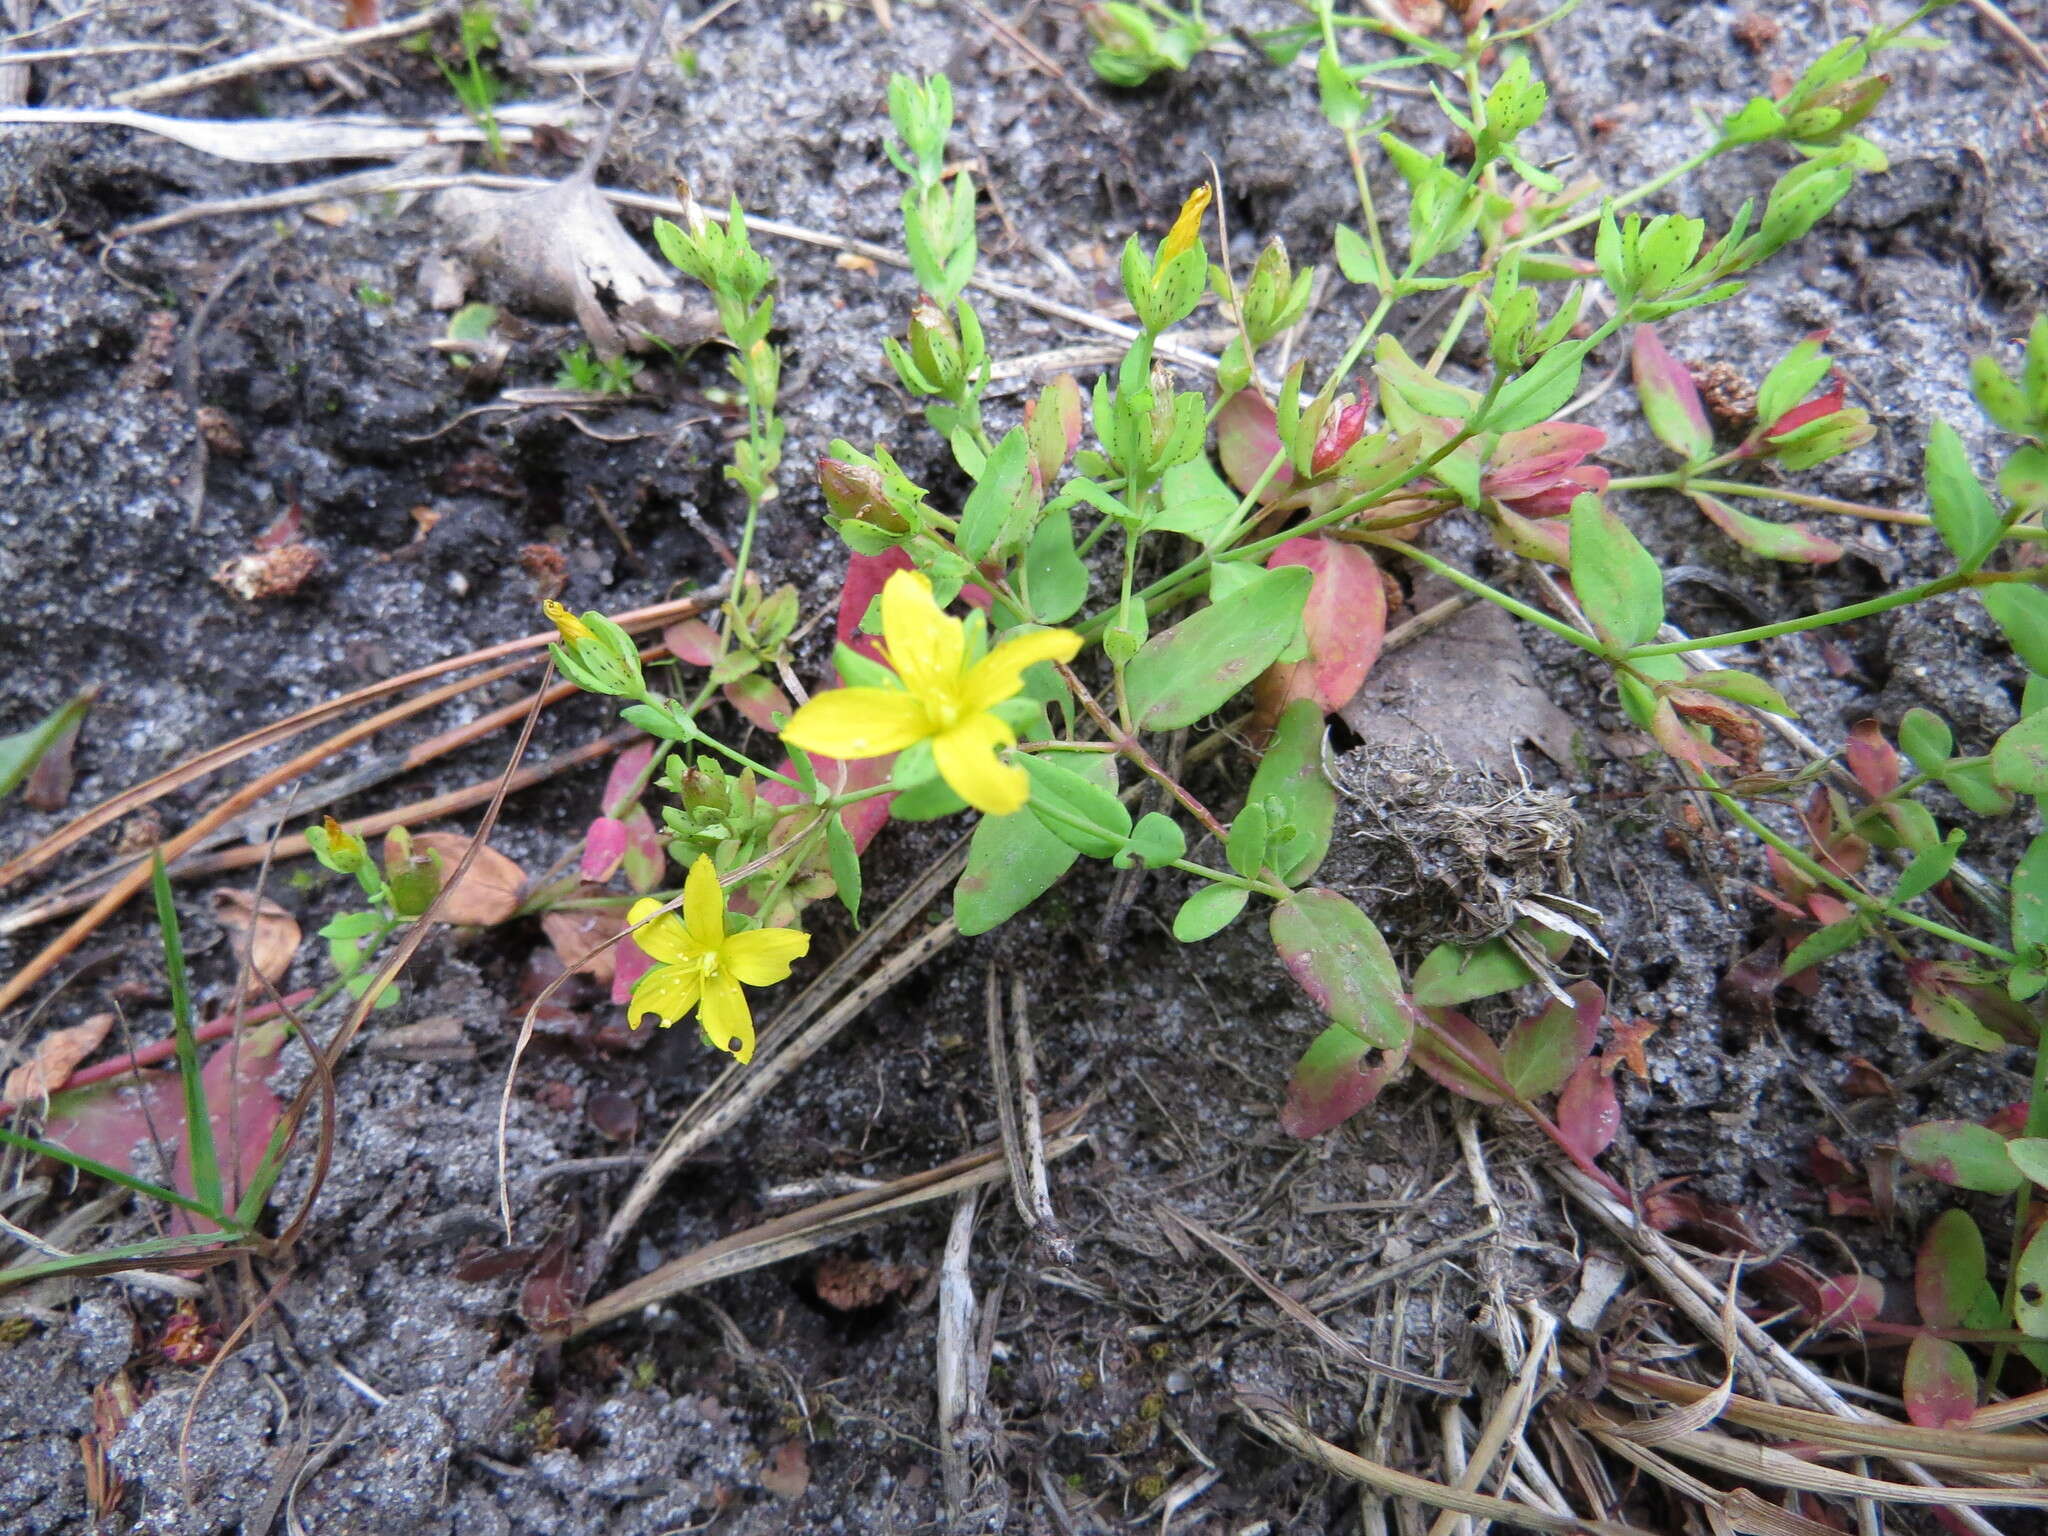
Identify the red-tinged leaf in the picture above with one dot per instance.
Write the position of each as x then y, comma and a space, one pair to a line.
1795, 543
1541, 1052
865, 576
1813, 410
1793, 883
1461, 1056
2009, 1121
551, 1294
578, 937
1704, 1224
1872, 759
1670, 399
1337, 1076
604, 850
864, 818
1847, 1303
1331, 948
1545, 539
1345, 619
614, 1116
1683, 744
1828, 910
692, 642
1851, 1203
1941, 1384
1951, 1286
1946, 1015
1247, 440
1824, 1160
629, 963
1533, 458
1588, 1111
1961, 1153
759, 700
646, 857
49, 782
1555, 498
622, 785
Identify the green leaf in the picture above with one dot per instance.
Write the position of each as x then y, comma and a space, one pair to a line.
2030, 895
1355, 259
1208, 912
1193, 668
99, 1170
2022, 612
1194, 500
1742, 688
1458, 973
1929, 868
1541, 1052
1245, 847
1962, 1153
1538, 394
1827, 943
1156, 841
2019, 758
2030, 1287
929, 801
1925, 737
20, 752
198, 1123
1940, 1384
1950, 1285
1791, 381
2029, 1154
2000, 397
1013, 860
1291, 776
1617, 580
993, 520
1052, 579
1970, 781
845, 863
1794, 543
1336, 954
1341, 100
2024, 480
1963, 514
1079, 811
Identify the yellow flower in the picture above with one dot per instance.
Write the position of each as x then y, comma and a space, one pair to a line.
572, 628
946, 698
1187, 229
702, 966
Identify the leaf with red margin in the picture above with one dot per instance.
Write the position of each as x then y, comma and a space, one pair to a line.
759, 700
1541, 1052
1588, 1110
1345, 620
1795, 543
1846, 1303
692, 642
1247, 440
626, 770
1670, 399
604, 850
865, 577
1337, 1076
1460, 1055
1331, 948
1940, 1385
1951, 1286
1961, 1153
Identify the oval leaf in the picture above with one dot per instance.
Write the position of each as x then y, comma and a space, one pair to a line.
1193, 668
1941, 1384
1345, 618
1588, 1110
1961, 1153
1336, 1077
1333, 950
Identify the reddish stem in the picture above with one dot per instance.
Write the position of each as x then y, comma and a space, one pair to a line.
164, 1050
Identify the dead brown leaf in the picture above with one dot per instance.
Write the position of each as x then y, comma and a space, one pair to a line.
55, 1059
489, 893
787, 1471
265, 937
577, 935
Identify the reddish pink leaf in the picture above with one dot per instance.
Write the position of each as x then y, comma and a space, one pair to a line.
1337, 1076
864, 818
1545, 539
1941, 1384
1795, 543
629, 963
1847, 1303
1555, 499
604, 850
1872, 759
1588, 1112
1531, 459
1670, 399
1247, 440
646, 854
759, 700
1812, 410
1345, 619
692, 642
1681, 742
865, 577
621, 784
1460, 1055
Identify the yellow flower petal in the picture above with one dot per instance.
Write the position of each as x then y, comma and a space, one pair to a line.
665, 938
966, 757
704, 906
1000, 674
567, 625
1187, 229
668, 992
728, 1021
927, 649
762, 956
857, 722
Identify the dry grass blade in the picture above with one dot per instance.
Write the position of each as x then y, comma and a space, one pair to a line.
1322, 1332
217, 758
840, 994
1509, 1418
802, 1231
273, 141
312, 50
1272, 1419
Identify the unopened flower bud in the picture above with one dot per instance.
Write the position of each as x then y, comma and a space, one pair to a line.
935, 347
1342, 428
858, 491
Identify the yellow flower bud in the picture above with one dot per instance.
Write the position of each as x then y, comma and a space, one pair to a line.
570, 627
1187, 229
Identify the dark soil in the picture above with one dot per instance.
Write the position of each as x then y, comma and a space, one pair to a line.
389, 1394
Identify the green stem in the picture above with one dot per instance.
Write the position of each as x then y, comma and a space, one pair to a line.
1854, 611
1654, 185
1478, 588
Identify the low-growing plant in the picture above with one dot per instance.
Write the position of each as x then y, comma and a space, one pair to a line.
1119, 592
582, 369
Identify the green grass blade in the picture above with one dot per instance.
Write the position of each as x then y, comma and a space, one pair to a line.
100, 1170
198, 1120
187, 1249
265, 1176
